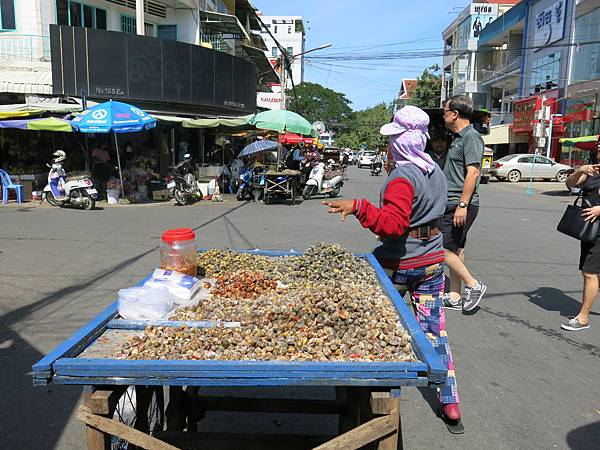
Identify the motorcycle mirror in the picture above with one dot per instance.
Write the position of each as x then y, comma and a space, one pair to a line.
187, 155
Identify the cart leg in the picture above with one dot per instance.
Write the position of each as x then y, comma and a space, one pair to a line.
389, 403
102, 403
175, 409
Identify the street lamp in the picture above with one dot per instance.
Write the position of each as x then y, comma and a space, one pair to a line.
285, 64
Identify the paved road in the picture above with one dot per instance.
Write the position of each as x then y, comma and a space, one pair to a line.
524, 383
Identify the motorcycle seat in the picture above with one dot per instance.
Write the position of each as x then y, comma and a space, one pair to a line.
77, 178
331, 175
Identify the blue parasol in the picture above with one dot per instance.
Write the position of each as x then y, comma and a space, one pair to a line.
116, 117
258, 146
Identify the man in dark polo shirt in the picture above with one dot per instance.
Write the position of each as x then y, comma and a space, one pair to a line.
462, 170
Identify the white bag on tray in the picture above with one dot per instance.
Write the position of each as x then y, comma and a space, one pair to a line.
181, 286
145, 303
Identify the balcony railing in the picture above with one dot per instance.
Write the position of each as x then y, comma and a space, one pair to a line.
501, 64
25, 47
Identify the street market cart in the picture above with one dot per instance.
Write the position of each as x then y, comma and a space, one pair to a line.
281, 185
367, 397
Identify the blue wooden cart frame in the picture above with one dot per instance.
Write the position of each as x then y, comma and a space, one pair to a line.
62, 366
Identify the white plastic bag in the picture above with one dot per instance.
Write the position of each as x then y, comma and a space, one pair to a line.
181, 286
145, 303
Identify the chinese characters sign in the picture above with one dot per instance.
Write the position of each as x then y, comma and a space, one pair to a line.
549, 24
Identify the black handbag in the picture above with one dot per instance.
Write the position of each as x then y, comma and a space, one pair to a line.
574, 225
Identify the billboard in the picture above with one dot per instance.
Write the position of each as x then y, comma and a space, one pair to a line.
482, 14
108, 64
549, 24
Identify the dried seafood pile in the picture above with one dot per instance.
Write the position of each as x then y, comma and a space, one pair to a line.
243, 284
332, 310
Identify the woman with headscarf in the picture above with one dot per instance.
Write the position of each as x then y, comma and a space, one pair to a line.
412, 200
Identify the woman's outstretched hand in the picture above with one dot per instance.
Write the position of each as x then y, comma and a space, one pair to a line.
590, 169
591, 214
343, 207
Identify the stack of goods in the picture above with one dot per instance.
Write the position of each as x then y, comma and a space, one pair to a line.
325, 305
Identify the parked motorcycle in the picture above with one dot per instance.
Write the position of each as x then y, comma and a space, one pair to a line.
185, 187
322, 181
78, 192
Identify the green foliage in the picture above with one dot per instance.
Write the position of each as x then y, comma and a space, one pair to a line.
315, 102
362, 127
428, 91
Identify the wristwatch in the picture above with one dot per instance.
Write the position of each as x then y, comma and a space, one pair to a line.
462, 204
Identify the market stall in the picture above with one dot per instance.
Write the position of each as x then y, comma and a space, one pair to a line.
577, 151
258, 318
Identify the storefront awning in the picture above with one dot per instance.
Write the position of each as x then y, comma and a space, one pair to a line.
218, 122
502, 134
584, 142
266, 72
217, 23
46, 124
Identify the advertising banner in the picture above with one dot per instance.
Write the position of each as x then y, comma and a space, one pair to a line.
482, 14
269, 100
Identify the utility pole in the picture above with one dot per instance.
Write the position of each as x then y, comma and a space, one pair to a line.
542, 116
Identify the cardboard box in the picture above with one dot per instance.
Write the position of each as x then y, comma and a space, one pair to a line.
160, 195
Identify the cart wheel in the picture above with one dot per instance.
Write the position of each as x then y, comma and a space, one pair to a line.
140, 407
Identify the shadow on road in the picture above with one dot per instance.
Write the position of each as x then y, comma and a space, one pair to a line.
31, 417
552, 299
586, 437
561, 193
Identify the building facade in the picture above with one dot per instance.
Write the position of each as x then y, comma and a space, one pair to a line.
582, 106
461, 74
221, 26
289, 33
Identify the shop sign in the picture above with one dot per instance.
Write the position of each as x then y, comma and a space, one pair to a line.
580, 109
269, 100
549, 24
482, 14
524, 115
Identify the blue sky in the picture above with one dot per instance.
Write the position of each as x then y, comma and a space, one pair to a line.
352, 25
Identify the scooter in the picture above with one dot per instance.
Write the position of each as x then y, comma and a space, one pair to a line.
78, 192
321, 181
184, 184
376, 167
251, 184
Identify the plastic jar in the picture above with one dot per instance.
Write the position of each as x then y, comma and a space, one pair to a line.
178, 251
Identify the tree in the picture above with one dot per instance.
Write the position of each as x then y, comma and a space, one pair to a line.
362, 127
315, 102
427, 94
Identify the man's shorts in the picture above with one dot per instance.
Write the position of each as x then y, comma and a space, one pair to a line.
455, 238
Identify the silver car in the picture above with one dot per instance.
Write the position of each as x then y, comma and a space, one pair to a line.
518, 166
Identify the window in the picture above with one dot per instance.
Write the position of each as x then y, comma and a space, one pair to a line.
128, 24
526, 159
289, 30
149, 29
75, 14
167, 32
275, 29
7, 15
290, 51
100, 19
81, 15
274, 52
586, 58
545, 73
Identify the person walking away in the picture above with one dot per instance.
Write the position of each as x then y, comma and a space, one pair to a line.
413, 199
588, 178
462, 170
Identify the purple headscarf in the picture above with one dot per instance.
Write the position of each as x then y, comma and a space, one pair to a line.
408, 138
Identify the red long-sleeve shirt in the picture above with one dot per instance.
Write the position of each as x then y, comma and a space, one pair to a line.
393, 218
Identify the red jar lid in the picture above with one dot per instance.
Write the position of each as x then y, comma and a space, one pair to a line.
178, 234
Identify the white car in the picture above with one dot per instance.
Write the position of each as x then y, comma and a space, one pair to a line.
365, 159
521, 165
